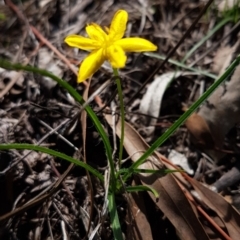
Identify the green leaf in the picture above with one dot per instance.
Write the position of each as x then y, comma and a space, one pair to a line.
183, 118
7, 65
181, 65
151, 171
141, 188
116, 227
53, 153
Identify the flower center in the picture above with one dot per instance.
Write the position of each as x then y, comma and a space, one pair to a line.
107, 42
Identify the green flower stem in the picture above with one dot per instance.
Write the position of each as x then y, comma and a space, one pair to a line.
122, 113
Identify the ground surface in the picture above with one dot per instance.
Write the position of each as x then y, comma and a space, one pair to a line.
32, 105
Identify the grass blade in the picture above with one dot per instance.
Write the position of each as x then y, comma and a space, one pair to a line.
204, 39
182, 65
7, 65
116, 227
53, 153
183, 118
140, 188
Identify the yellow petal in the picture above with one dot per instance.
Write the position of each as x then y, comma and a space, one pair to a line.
136, 44
95, 32
118, 25
90, 64
81, 42
116, 56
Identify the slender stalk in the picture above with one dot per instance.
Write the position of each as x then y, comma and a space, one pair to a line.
122, 114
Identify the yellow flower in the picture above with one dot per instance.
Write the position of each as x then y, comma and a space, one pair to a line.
107, 45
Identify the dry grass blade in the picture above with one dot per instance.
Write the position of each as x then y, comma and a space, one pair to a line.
173, 203
229, 214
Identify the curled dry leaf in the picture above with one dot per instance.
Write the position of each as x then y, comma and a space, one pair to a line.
151, 102
200, 134
152, 99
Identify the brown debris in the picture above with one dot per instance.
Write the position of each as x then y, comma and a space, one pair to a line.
46, 198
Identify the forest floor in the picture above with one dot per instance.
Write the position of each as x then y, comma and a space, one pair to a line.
34, 204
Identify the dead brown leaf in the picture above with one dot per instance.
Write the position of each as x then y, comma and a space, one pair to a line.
173, 203
200, 133
138, 226
225, 211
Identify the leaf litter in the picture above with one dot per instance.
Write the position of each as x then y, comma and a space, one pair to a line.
30, 108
